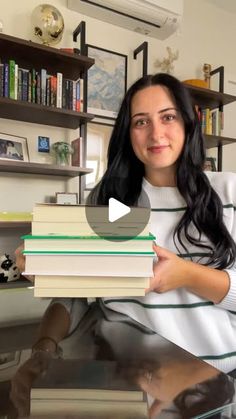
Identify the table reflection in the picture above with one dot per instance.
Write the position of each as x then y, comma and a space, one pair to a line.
103, 355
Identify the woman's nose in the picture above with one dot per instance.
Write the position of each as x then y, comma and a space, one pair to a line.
157, 130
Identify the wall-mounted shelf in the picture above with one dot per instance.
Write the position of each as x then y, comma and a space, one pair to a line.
207, 98
15, 284
42, 169
212, 141
30, 54
39, 114
15, 224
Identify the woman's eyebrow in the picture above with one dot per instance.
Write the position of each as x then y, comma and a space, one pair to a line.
146, 113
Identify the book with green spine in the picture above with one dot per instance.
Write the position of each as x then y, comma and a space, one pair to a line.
88, 244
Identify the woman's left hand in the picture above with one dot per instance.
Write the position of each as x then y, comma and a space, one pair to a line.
169, 271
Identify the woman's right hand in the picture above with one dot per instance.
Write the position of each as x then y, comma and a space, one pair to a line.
20, 262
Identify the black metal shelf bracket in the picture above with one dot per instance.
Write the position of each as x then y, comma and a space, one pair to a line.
219, 70
142, 48
81, 30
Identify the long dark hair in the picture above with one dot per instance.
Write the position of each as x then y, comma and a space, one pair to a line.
123, 177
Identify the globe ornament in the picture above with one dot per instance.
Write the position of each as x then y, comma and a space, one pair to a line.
48, 24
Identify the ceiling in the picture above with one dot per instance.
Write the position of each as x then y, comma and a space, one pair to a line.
227, 5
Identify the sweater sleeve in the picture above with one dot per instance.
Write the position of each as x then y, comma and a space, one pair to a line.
76, 307
229, 301
228, 195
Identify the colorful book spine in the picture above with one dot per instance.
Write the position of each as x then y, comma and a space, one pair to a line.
12, 79
33, 85
25, 85
6, 80
1, 79
43, 86
59, 90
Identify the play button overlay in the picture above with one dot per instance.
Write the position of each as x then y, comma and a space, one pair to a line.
118, 221
116, 210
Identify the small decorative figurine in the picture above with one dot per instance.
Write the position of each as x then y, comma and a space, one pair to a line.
207, 74
8, 269
166, 65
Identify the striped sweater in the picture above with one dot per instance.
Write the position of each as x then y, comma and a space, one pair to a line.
202, 328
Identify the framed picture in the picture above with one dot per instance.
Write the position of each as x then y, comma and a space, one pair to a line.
66, 198
13, 147
210, 164
107, 81
43, 144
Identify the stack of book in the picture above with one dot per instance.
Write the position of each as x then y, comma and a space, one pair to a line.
69, 260
87, 389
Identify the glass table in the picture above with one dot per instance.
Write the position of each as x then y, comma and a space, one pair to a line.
110, 370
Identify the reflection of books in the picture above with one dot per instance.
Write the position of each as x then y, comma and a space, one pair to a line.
86, 387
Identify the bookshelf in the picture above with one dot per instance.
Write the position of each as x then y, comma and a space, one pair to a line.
42, 169
40, 114
206, 98
30, 55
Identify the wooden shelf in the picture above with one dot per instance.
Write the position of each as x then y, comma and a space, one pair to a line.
212, 141
15, 284
209, 98
29, 55
15, 224
40, 114
42, 169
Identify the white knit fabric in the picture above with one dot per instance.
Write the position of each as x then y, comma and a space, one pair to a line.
193, 323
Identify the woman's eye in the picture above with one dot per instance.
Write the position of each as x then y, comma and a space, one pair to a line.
140, 122
169, 117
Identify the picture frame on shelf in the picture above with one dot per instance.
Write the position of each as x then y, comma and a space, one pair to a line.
43, 144
210, 164
107, 81
13, 147
76, 157
67, 198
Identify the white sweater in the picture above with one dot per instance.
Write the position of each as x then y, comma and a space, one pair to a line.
191, 322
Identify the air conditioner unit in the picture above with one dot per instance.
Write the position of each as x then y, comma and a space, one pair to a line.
156, 18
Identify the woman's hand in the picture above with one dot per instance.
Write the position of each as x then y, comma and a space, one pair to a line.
169, 271
20, 262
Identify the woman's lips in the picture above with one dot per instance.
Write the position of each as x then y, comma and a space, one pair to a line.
157, 149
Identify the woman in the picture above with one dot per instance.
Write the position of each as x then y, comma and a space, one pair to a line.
157, 146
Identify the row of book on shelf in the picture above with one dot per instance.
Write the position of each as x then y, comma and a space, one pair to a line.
69, 260
40, 87
211, 120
